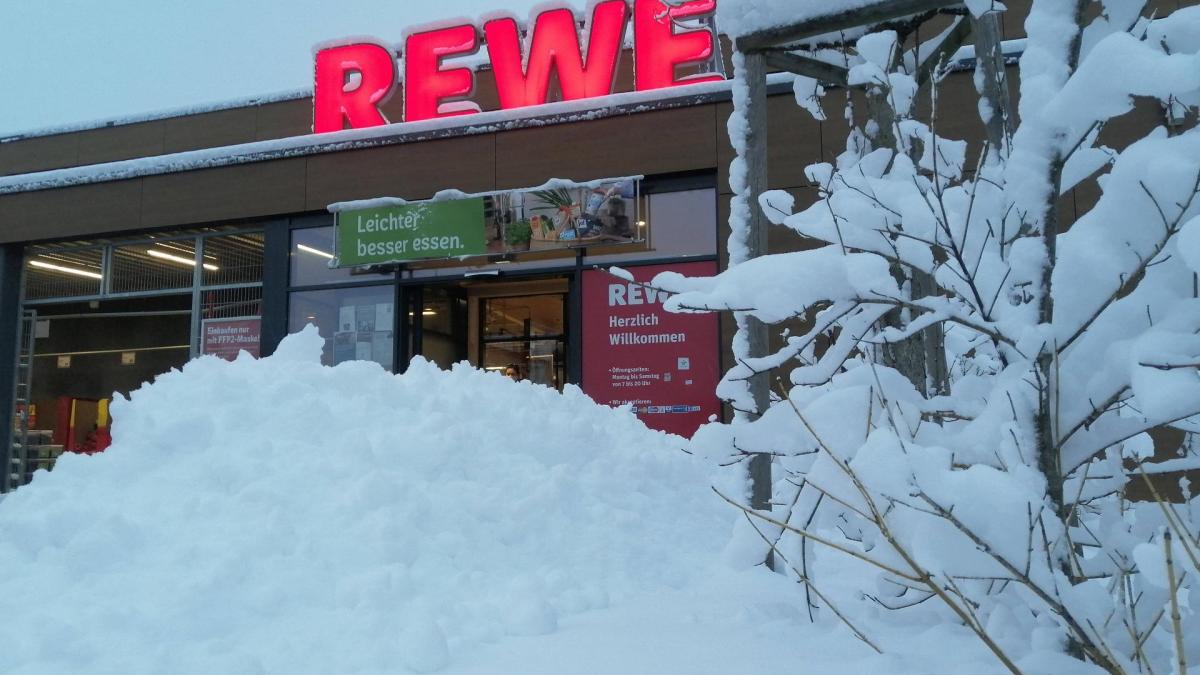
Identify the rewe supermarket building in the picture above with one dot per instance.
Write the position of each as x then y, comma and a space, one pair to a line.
455, 197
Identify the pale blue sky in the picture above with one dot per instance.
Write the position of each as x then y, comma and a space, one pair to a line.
64, 62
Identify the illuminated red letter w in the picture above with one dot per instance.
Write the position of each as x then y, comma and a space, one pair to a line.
336, 102
555, 45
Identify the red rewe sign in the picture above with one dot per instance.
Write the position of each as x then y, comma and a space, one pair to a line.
636, 353
352, 81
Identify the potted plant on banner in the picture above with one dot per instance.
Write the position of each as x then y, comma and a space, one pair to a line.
517, 235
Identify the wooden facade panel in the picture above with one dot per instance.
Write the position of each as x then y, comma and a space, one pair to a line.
958, 113
283, 119
210, 130
228, 193
1012, 24
115, 143
779, 238
80, 211
39, 154
410, 171
794, 140
723, 210
1161, 8
662, 141
1120, 132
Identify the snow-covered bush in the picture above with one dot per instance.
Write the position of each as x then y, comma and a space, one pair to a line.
997, 498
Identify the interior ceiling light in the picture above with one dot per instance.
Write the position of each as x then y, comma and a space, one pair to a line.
182, 249
180, 259
315, 251
67, 270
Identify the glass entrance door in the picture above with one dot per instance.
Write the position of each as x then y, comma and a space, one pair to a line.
514, 327
525, 337
437, 318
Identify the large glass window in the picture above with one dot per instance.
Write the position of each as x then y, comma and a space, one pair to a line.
680, 224
357, 323
310, 255
153, 266
106, 316
233, 259
63, 273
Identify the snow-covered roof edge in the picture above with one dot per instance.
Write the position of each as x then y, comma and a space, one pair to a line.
155, 115
390, 134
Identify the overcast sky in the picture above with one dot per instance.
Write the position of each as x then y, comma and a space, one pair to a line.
64, 62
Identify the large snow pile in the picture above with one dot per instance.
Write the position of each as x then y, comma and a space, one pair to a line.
278, 516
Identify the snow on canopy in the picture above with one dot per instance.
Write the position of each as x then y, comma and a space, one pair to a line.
278, 516
742, 17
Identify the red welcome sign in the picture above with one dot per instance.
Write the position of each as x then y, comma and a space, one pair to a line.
352, 81
636, 353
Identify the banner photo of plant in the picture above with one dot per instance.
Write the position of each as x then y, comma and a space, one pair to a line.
562, 215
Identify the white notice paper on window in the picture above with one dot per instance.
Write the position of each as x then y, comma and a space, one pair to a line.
345, 319
383, 316
362, 350
381, 348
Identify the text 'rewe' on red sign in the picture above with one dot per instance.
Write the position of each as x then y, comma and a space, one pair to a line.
352, 81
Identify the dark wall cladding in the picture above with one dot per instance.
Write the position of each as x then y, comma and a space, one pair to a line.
657, 141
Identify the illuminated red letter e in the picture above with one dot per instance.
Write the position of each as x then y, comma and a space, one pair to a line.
658, 48
429, 91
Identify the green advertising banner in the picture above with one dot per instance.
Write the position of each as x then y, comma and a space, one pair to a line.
419, 231
558, 215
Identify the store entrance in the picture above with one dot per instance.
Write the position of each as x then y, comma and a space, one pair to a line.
515, 327
437, 323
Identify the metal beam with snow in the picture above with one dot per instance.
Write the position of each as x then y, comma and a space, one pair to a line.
825, 73
832, 22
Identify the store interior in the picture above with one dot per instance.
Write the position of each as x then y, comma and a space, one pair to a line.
83, 354
515, 327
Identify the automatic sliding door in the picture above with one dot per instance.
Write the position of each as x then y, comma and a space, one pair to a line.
439, 319
525, 336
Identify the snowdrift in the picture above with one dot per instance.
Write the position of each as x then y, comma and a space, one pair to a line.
278, 516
